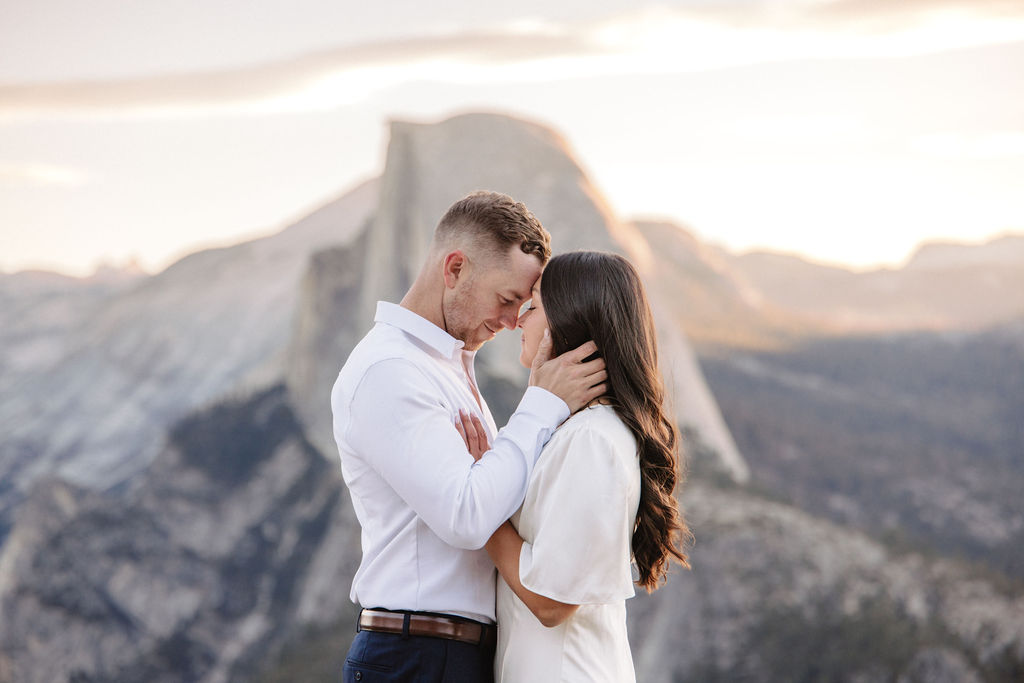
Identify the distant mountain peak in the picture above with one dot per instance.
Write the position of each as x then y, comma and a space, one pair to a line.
108, 272
1005, 250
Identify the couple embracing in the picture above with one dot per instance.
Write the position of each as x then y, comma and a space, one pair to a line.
563, 501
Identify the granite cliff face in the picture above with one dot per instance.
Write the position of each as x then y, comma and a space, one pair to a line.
428, 168
141, 357
237, 537
776, 595
914, 437
39, 312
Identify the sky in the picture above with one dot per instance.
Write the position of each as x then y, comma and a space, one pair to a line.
846, 131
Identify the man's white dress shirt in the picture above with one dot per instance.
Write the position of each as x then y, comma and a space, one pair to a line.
425, 507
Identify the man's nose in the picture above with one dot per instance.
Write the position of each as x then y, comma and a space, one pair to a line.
522, 318
510, 320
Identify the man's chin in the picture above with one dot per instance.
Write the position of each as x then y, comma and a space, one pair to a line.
475, 344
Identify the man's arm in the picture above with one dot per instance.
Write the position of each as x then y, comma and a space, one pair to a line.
398, 425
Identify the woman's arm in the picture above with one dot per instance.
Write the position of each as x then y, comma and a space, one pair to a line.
505, 544
504, 548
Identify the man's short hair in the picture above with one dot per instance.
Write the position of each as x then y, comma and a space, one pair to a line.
495, 222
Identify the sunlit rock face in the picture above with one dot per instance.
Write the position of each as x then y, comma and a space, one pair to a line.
942, 287
150, 351
430, 166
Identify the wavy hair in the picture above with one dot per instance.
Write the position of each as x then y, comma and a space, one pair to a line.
599, 296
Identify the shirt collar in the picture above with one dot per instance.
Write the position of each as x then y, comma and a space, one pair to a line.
419, 327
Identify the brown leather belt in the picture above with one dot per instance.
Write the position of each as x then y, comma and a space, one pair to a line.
433, 625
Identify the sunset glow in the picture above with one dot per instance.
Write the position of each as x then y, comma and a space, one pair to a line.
848, 131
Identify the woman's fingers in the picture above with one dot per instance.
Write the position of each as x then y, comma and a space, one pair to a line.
481, 436
596, 391
474, 439
471, 429
462, 429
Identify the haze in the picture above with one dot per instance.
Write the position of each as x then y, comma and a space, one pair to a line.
848, 131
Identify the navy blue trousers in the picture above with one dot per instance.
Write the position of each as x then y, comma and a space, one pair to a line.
393, 658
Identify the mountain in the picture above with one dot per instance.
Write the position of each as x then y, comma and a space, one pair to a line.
216, 568
1007, 250
776, 595
722, 309
429, 167
913, 437
38, 312
236, 536
942, 287
118, 367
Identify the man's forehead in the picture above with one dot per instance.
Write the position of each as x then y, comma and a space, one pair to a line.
520, 275
522, 293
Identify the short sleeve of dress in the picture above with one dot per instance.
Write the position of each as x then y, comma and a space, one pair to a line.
583, 511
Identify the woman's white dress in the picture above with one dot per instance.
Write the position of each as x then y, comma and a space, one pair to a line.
577, 523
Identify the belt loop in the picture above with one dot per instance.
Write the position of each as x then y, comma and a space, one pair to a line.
405, 626
359, 619
483, 634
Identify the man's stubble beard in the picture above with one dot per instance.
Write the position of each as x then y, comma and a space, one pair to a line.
455, 315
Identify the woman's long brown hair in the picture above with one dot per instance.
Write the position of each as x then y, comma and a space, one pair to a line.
599, 296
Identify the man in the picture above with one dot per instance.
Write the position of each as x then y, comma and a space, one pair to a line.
425, 506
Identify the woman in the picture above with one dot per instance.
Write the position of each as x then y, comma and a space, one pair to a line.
601, 492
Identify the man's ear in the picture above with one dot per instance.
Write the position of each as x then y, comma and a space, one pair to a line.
455, 266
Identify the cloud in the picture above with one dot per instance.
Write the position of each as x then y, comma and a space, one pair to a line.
994, 145
47, 175
721, 36
651, 40
846, 15
889, 15
347, 71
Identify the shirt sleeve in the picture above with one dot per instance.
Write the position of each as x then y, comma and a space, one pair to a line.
583, 513
407, 434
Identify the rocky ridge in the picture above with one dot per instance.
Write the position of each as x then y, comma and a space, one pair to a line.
145, 355
237, 537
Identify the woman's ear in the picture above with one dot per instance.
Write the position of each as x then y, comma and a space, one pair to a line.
454, 266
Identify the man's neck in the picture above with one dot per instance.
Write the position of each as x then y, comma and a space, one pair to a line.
425, 304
